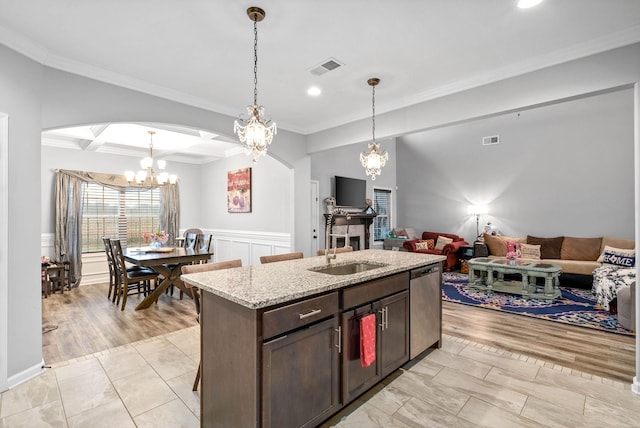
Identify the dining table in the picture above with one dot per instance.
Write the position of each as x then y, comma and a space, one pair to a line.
167, 261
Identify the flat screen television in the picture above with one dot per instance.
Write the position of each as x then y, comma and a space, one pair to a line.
350, 192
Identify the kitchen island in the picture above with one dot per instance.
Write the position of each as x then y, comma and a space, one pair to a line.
280, 342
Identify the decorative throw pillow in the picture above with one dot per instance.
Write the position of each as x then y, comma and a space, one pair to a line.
425, 244
620, 251
618, 256
580, 248
549, 247
441, 242
529, 251
614, 258
514, 247
496, 245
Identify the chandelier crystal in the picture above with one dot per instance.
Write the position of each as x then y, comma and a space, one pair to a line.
376, 158
148, 176
253, 129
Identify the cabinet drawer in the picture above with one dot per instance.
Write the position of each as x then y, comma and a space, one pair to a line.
299, 314
374, 290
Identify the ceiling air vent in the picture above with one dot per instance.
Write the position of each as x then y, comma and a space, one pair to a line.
327, 66
494, 139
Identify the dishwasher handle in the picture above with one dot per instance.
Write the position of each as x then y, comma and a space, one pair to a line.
427, 270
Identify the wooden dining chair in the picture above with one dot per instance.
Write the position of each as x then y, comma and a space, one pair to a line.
203, 244
281, 257
190, 239
58, 276
130, 282
203, 241
346, 249
196, 292
108, 250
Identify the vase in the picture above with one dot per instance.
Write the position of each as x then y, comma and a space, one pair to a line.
155, 245
512, 262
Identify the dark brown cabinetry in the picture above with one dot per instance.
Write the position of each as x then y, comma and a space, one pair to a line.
296, 364
393, 335
301, 376
392, 332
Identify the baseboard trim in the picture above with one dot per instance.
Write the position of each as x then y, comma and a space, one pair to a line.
25, 375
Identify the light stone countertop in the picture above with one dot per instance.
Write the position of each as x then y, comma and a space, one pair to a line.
261, 286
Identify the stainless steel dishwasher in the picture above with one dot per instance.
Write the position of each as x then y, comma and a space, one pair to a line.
426, 309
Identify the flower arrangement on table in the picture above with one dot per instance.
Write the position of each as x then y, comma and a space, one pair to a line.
157, 239
511, 257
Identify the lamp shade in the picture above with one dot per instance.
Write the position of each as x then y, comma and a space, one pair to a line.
477, 209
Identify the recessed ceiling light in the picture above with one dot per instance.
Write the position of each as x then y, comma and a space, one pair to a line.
314, 91
526, 4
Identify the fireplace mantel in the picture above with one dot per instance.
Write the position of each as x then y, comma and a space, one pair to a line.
355, 218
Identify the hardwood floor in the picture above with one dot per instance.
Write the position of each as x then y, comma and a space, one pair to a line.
88, 322
603, 354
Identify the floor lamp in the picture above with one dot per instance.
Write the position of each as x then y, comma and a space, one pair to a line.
477, 211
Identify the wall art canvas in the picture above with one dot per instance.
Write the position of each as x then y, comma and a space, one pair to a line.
239, 191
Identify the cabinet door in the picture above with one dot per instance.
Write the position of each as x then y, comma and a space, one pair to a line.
301, 377
394, 335
356, 379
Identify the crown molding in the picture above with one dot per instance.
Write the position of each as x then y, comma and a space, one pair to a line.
40, 54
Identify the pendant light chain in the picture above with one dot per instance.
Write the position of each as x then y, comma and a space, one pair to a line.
255, 62
373, 116
375, 158
253, 129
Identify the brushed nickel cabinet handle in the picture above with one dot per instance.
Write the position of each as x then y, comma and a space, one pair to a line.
339, 345
310, 314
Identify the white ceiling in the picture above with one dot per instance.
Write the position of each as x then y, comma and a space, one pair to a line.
200, 52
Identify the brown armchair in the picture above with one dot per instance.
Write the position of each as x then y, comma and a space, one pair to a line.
450, 251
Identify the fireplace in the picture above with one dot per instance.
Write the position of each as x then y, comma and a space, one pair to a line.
359, 233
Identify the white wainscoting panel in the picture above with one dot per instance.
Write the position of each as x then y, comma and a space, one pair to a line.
248, 245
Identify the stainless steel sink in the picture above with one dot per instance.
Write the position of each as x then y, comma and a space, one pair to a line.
347, 268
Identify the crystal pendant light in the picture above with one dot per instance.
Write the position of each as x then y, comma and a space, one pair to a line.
254, 130
147, 176
376, 158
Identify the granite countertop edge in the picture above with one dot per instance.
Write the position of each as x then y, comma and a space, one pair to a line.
262, 286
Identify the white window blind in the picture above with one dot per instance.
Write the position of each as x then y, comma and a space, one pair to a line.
125, 215
382, 207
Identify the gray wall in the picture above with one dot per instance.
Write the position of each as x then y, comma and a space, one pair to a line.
271, 196
20, 98
564, 169
345, 161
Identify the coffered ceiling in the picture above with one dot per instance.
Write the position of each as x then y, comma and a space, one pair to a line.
200, 52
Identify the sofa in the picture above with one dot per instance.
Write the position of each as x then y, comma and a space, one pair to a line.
444, 244
578, 257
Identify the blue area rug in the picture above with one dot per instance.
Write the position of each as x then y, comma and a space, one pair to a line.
576, 306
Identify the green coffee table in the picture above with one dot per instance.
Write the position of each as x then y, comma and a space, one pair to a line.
492, 271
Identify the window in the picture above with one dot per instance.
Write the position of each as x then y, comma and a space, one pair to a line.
382, 207
117, 214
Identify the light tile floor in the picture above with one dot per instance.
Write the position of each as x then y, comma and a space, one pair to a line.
463, 384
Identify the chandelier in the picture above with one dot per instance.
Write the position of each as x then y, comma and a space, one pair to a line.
147, 175
376, 158
254, 130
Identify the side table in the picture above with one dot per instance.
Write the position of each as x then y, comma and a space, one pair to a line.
465, 253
